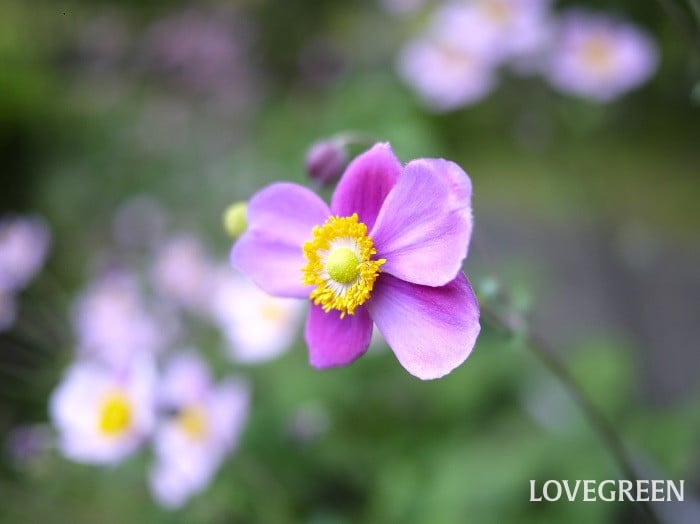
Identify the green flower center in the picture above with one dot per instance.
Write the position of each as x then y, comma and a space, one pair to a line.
343, 265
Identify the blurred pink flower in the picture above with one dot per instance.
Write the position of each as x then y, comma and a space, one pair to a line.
452, 65
24, 244
513, 28
203, 52
445, 76
600, 58
205, 424
101, 415
112, 323
182, 273
257, 326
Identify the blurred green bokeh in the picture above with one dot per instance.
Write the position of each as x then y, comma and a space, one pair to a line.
85, 123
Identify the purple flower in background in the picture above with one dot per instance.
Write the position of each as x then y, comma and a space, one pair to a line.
203, 52
112, 323
444, 75
182, 273
514, 29
453, 64
24, 244
600, 58
101, 415
205, 424
388, 251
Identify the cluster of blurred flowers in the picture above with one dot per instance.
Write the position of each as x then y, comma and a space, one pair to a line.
136, 377
456, 61
204, 53
24, 244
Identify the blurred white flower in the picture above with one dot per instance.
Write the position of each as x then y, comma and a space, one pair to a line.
204, 424
600, 58
257, 326
182, 273
101, 415
113, 324
24, 244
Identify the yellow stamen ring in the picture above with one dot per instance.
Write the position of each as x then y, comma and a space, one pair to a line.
340, 265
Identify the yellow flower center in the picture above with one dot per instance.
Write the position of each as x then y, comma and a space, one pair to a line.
597, 55
498, 11
340, 265
193, 421
115, 415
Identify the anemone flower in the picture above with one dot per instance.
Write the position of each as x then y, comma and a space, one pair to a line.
24, 244
600, 58
101, 415
205, 426
257, 327
389, 251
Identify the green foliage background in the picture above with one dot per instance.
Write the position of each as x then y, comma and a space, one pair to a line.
75, 145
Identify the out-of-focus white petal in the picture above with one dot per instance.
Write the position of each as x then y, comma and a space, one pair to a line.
256, 326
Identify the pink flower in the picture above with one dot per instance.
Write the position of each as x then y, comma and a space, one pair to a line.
600, 58
388, 251
113, 324
182, 273
204, 427
24, 243
444, 75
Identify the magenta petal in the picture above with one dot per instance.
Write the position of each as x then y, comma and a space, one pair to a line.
280, 218
366, 183
424, 227
431, 330
335, 341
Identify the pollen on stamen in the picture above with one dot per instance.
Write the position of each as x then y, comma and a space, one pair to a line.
340, 265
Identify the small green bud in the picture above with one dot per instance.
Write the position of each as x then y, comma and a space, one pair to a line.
234, 219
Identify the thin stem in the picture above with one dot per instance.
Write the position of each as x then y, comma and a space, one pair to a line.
695, 8
682, 24
606, 431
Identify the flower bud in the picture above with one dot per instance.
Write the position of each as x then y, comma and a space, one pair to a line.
234, 219
325, 161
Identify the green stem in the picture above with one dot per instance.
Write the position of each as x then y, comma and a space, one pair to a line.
695, 8
600, 424
675, 14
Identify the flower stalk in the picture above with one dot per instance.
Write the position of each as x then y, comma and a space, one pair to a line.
611, 439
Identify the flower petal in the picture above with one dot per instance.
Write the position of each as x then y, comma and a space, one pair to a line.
366, 183
280, 218
334, 341
431, 330
423, 228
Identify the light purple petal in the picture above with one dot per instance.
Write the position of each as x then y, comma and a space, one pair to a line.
280, 218
431, 330
424, 226
366, 183
334, 341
